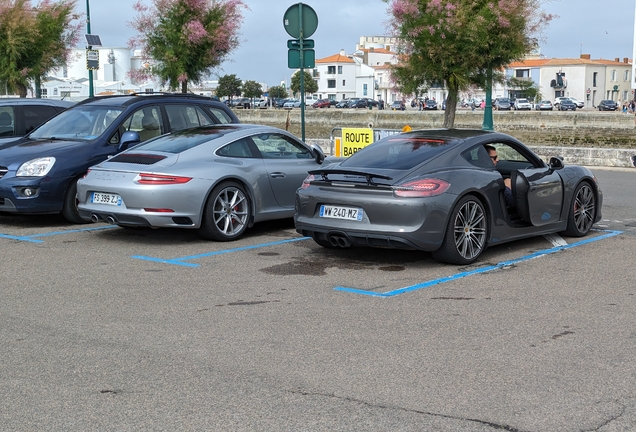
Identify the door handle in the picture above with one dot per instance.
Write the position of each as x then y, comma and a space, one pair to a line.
277, 175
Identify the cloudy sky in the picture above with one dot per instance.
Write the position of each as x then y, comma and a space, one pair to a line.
602, 28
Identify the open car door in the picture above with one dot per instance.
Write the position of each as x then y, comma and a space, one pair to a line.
538, 193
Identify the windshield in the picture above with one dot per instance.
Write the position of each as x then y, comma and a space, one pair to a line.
78, 123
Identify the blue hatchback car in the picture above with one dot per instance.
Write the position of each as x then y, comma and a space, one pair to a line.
39, 173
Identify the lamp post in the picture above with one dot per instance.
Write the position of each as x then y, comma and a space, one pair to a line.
487, 125
91, 90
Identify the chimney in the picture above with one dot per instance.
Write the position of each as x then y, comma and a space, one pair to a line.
585, 56
372, 49
617, 59
625, 60
343, 53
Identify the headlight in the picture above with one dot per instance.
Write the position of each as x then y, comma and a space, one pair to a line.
36, 168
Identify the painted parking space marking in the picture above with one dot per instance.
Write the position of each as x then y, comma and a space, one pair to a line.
34, 238
498, 266
181, 261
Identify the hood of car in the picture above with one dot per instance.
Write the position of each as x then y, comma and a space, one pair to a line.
30, 149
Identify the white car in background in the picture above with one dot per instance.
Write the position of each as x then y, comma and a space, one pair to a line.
522, 104
579, 104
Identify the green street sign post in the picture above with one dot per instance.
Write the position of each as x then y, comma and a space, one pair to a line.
300, 22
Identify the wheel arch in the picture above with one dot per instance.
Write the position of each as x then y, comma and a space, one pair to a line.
248, 189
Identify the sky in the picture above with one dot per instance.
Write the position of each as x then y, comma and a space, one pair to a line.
601, 28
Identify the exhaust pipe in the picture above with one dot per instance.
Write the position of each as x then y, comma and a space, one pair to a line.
111, 220
95, 217
339, 241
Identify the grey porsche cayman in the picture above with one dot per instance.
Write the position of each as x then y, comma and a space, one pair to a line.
217, 179
445, 191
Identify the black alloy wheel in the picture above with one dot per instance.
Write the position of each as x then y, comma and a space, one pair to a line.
582, 211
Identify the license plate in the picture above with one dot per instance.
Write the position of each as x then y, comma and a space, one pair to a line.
104, 198
337, 212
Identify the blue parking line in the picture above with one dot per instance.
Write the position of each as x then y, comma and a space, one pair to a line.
180, 261
33, 238
477, 271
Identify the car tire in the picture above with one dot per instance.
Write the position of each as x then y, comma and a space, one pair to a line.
226, 214
582, 212
69, 207
466, 234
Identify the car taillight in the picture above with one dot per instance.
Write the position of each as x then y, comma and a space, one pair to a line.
421, 188
160, 179
84, 176
307, 181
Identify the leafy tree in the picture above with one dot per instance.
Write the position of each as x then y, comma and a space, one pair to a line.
252, 89
182, 40
528, 88
311, 86
35, 40
230, 86
459, 42
278, 92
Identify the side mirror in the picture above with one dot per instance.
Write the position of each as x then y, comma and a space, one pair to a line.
318, 154
634, 160
128, 139
556, 163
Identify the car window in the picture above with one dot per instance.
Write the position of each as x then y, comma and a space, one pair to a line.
478, 156
7, 122
146, 121
84, 122
181, 141
35, 115
399, 152
186, 116
276, 146
239, 148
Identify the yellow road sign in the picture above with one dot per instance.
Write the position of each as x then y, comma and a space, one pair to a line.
355, 139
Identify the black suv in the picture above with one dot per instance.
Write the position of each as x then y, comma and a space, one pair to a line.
42, 178
19, 116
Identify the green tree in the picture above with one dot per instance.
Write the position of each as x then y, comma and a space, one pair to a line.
528, 88
311, 86
460, 42
230, 86
34, 40
252, 89
279, 92
183, 40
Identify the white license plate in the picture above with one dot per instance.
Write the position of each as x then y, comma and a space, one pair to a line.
104, 198
337, 212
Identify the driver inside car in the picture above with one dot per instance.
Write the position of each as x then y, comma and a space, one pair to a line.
508, 198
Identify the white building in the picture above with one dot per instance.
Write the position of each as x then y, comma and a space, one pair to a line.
343, 76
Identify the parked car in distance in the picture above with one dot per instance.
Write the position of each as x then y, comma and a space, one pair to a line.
291, 103
567, 105
544, 105
439, 191
218, 179
398, 106
40, 171
430, 104
558, 100
357, 103
502, 104
19, 116
371, 102
322, 103
579, 103
607, 105
342, 104
522, 104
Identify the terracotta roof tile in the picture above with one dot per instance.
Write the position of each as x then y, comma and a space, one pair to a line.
336, 58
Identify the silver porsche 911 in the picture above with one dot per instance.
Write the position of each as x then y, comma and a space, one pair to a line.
218, 179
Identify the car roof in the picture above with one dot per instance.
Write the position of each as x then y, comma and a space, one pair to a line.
133, 98
35, 101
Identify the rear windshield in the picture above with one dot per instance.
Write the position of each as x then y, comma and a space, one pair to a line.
398, 152
181, 141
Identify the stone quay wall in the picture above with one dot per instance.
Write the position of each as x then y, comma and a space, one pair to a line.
583, 137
